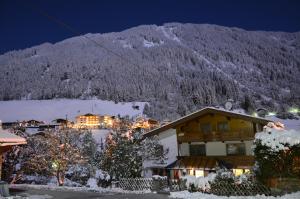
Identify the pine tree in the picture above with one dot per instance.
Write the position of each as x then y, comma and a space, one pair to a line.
123, 156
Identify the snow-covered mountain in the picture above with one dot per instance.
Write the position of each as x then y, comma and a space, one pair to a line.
176, 67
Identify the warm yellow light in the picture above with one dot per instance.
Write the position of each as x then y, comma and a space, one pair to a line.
238, 172
254, 114
199, 173
191, 172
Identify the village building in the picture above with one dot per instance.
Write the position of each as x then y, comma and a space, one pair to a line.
145, 123
88, 120
62, 123
106, 121
204, 140
33, 123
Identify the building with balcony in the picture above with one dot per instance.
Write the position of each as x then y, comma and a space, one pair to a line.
88, 120
106, 121
207, 139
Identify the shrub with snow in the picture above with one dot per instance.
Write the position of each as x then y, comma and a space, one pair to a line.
194, 183
92, 183
276, 151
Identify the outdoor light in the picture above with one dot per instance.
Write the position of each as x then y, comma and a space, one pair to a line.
54, 165
271, 114
294, 110
254, 114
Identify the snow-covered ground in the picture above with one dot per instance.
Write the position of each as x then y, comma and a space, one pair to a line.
100, 135
88, 189
199, 195
48, 110
181, 194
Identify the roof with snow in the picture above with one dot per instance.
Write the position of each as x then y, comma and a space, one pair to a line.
8, 139
201, 112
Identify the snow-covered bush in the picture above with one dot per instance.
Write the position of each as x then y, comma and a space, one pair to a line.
92, 182
103, 178
276, 151
202, 184
78, 173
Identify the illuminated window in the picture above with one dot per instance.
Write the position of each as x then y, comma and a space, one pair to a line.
199, 173
238, 172
191, 172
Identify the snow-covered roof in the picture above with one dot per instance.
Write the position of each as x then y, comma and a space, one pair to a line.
7, 139
202, 112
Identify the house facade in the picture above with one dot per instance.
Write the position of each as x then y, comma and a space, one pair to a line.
88, 120
211, 138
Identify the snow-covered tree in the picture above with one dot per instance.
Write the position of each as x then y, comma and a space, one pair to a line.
277, 153
123, 155
51, 153
151, 149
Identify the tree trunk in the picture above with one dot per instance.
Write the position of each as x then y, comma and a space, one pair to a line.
60, 178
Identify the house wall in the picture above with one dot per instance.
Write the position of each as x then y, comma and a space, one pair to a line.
168, 139
214, 148
238, 129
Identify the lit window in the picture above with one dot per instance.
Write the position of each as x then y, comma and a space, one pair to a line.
238, 172
191, 172
199, 173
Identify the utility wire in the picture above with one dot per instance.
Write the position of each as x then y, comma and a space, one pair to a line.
77, 32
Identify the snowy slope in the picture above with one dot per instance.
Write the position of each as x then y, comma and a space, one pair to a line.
48, 110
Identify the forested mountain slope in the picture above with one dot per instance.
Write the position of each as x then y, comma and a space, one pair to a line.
178, 68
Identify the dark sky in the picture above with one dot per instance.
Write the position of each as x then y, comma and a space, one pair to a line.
22, 26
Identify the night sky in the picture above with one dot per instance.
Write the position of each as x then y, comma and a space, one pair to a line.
22, 26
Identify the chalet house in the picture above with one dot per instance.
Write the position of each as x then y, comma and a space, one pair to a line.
62, 123
7, 141
204, 140
144, 123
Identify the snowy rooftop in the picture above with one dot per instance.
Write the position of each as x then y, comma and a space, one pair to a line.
7, 139
205, 111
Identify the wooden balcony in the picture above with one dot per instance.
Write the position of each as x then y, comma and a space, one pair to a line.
210, 162
243, 134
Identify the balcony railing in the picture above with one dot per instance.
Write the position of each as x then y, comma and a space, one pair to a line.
242, 134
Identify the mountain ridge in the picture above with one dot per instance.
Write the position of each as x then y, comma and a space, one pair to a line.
178, 68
